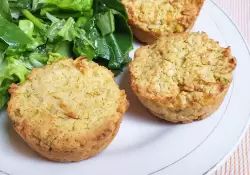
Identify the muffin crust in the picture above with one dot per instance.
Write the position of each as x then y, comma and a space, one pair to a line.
150, 19
68, 111
182, 77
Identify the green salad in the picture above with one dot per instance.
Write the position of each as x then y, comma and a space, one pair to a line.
34, 33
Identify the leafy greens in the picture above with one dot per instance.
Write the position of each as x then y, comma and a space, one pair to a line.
39, 32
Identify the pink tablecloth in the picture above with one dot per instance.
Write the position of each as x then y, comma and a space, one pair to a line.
238, 162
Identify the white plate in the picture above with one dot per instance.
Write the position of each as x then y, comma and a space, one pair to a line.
145, 145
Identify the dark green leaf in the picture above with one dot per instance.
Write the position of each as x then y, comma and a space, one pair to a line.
4, 99
117, 57
112, 42
15, 13
121, 41
84, 48
106, 23
36, 5
116, 5
94, 45
5, 10
36, 40
21, 3
64, 48
3, 47
12, 34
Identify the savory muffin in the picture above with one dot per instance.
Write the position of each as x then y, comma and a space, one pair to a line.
150, 19
182, 77
68, 111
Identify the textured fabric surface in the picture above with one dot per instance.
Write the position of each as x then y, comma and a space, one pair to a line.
239, 11
238, 162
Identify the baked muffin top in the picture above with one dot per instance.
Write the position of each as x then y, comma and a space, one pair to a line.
65, 101
163, 16
182, 69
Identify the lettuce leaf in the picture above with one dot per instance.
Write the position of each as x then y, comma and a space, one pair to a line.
11, 71
79, 5
62, 30
53, 57
50, 30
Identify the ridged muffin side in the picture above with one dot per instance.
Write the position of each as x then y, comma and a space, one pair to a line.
150, 19
183, 77
68, 111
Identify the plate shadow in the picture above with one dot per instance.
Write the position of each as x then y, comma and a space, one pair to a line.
18, 144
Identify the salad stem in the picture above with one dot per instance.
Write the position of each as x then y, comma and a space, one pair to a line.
32, 18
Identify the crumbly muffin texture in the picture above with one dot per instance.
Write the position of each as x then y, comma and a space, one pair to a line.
162, 17
182, 72
70, 107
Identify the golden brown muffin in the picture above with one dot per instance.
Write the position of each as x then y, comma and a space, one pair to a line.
68, 111
182, 77
150, 19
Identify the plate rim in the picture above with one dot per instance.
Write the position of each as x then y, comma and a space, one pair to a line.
246, 127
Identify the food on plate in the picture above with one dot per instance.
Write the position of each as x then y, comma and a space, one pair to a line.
68, 111
183, 77
150, 19
36, 33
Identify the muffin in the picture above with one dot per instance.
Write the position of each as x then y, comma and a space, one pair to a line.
150, 19
183, 77
68, 111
